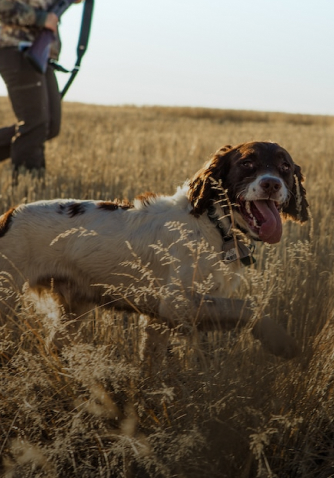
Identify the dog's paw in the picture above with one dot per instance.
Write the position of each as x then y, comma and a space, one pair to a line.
274, 338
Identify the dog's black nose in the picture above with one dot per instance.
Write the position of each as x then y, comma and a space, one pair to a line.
270, 185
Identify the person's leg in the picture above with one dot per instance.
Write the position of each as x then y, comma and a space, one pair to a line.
54, 103
6, 135
28, 93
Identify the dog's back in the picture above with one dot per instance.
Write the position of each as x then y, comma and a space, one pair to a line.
73, 246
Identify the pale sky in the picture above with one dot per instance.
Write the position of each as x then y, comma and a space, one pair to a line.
271, 55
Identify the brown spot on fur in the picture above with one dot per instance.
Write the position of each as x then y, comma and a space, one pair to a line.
75, 209
145, 198
108, 205
5, 221
113, 205
61, 208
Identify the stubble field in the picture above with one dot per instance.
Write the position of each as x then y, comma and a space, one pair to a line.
218, 406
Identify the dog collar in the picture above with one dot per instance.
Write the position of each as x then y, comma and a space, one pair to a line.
234, 247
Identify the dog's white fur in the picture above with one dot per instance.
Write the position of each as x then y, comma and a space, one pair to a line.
156, 257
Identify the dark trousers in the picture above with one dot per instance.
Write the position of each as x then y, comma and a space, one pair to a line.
36, 102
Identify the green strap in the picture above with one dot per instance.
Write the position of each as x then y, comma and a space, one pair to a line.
86, 22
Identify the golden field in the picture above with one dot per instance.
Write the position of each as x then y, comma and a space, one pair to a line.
218, 406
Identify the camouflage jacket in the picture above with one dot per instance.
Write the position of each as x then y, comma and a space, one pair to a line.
23, 20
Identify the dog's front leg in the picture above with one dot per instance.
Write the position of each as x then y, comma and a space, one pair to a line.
275, 339
237, 313
209, 313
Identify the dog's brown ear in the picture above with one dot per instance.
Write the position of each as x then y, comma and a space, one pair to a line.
297, 207
203, 186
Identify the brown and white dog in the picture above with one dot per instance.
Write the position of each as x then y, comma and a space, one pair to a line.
178, 257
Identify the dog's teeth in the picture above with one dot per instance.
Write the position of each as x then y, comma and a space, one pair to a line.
248, 209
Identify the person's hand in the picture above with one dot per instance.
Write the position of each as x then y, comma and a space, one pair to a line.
51, 22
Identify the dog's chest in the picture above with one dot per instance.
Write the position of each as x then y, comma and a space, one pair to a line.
226, 279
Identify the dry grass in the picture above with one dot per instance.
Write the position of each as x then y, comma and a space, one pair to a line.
218, 406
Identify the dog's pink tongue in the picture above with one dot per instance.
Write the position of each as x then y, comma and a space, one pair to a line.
271, 228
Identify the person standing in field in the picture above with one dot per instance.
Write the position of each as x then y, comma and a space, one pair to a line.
34, 96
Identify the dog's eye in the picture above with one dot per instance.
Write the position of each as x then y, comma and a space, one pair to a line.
248, 164
285, 167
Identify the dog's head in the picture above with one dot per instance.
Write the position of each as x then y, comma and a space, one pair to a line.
261, 181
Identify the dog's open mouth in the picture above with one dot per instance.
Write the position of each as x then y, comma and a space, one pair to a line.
263, 219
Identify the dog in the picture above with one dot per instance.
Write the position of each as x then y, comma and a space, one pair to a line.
176, 257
